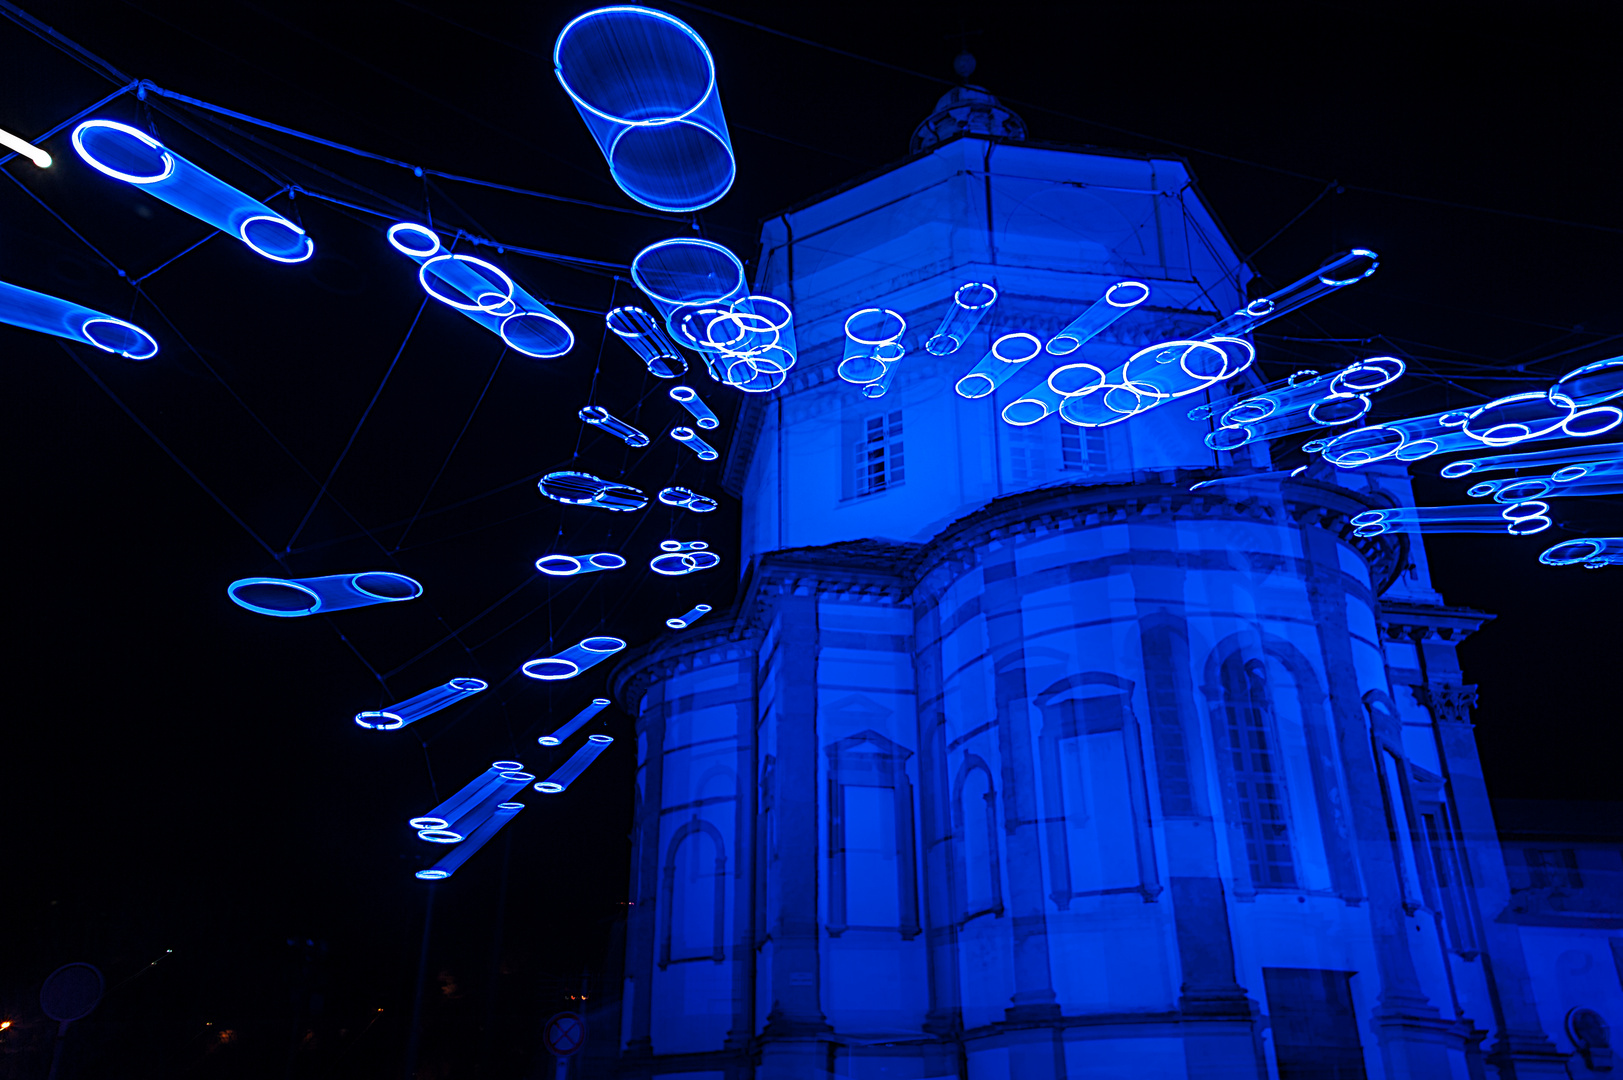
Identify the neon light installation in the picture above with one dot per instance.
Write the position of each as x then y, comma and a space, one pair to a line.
131, 155
1001, 361
484, 293
685, 276
1517, 519
557, 737
425, 704
448, 864
289, 598
1117, 301
1338, 272
890, 355
599, 417
643, 334
1590, 385
679, 557
26, 149
570, 771
1571, 455
1571, 482
689, 399
1070, 380
690, 438
1219, 406
688, 618
687, 499
1509, 420
470, 795
37, 311
584, 489
1302, 405
872, 343
1591, 552
573, 660
469, 817
571, 565
645, 84
970, 303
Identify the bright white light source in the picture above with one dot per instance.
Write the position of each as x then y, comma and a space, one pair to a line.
27, 150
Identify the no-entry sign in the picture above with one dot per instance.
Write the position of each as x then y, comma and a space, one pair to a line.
565, 1034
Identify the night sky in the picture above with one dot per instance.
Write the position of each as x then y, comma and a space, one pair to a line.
179, 774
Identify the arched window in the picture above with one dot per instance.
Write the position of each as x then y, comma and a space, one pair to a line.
1256, 772
974, 822
695, 895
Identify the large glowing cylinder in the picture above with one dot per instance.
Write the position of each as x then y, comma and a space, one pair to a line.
1593, 552
587, 653
685, 276
289, 598
689, 399
47, 314
570, 770
425, 704
1117, 301
644, 336
131, 155
557, 737
970, 303
471, 793
1006, 356
645, 83
461, 853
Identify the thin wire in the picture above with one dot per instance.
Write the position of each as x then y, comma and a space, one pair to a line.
172, 258
76, 117
60, 220
1299, 215
454, 444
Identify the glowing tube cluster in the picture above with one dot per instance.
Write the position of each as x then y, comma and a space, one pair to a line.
687, 499
873, 348
1338, 272
1591, 552
1117, 301
690, 438
425, 704
131, 155
645, 337
1518, 519
1044, 399
679, 557
570, 771
448, 863
689, 399
32, 310
571, 565
587, 653
483, 292
465, 823
599, 417
557, 737
645, 83
1571, 482
584, 489
289, 598
689, 617
1304, 404
1149, 377
471, 795
1576, 456
970, 303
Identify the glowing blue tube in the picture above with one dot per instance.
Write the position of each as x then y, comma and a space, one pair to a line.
570, 771
690, 438
289, 598
645, 84
1005, 357
584, 489
1571, 455
1591, 552
571, 565
688, 618
471, 793
589, 652
37, 311
678, 557
1571, 482
424, 704
1117, 301
970, 303
872, 342
687, 499
483, 292
599, 417
1222, 405
455, 857
1518, 519
645, 337
1324, 413
1506, 421
879, 387
1590, 385
1068, 381
476, 813
557, 737
1359, 377
689, 399
1337, 273
685, 276
133, 156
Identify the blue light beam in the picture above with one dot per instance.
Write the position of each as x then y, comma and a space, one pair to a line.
427, 703
689, 617
690, 438
644, 336
1007, 355
1590, 552
970, 303
290, 598
1537, 459
557, 737
599, 417
570, 771
687, 499
571, 565
455, 857
32, 310
1518, 519
469, 795
584, 489
689, 399
587, 653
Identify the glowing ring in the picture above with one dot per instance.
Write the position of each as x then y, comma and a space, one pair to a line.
1417, 450
422, 279
1140, 392
756, 301
361, 718
683, 545
1036, 347
1059, 371
309, 244
431, 874
1111, 292
84, 332
715, 136
854, 369
506, 766
1519, 491
1217, 440
1528, 526
876, 341
1351, 457
958, 295
544, 317
440, 836
704, 50
1607, 392
315, 599
1036, 410
1608, 416
566, 565
1259, 408
1510, 432
1314, 446
600, 738
1541, 509
1367, 517
1570, 473
637, 275
1374, 263
1591, 550
1249, 349
1456, 469
415, 230
1387, 369
1329, 404
141, 136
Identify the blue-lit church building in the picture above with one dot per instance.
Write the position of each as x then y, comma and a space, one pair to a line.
1018, 759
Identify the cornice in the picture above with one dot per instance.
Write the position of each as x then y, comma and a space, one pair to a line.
1403, 620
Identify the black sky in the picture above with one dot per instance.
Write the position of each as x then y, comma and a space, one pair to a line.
179, 774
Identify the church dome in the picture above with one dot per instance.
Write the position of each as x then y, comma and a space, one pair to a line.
968, 110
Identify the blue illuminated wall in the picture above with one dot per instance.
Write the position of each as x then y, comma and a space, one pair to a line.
1019, 760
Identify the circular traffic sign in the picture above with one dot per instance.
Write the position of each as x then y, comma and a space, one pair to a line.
565, 1034
71, 992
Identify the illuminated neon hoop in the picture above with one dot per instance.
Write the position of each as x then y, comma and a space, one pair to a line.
573, 565
688, 618
46, 314
585, 654
584, 489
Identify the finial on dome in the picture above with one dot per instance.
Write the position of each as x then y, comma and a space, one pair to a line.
967, 109
964, 64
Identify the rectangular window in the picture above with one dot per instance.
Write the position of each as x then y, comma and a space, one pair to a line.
1082, 449
1315, 1033
1553, 868
871, 894
1029, 453
880, 464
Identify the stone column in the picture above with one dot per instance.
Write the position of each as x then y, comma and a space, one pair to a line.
940, 912
642, 925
